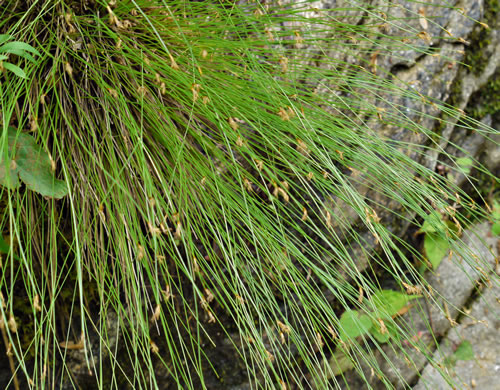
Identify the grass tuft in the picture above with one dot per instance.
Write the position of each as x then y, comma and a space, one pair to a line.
228, 179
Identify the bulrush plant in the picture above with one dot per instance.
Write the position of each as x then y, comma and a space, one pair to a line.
224, 188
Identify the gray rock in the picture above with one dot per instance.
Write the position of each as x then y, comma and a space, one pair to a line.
481, 330
452, 284
437, 76
492, 152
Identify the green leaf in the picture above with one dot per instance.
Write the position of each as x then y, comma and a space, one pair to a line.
4, 38
436, 245
436, 248
379, 336
389, 302
5, 247
496, 211
23, 54
14, 69
452, 227
433, 223
353, 324
464, 164
390, 332
16, 46
463, 352
29, 163
495, 229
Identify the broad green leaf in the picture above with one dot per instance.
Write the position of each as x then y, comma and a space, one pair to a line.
463, 352
436, 248
353, 324
495, 229
29, 163
390, 331
4, 38
23, 54
496, 211
14, 69
5, 247
18, 46
495, 215
433, 223
379, 336
452, 227
389, 302
464, 164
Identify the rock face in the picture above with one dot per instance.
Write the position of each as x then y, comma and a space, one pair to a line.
448, 38
439, 75
470, 350
453, 283
435, 71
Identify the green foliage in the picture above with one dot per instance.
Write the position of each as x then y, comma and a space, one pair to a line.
436, 247
495, 215
5, 247
437, 237
386, 305
433, 223
20, 49
389, 302
227, 172
354, 324
28, 162
376, 320
383, 335
464, 164
463, 352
